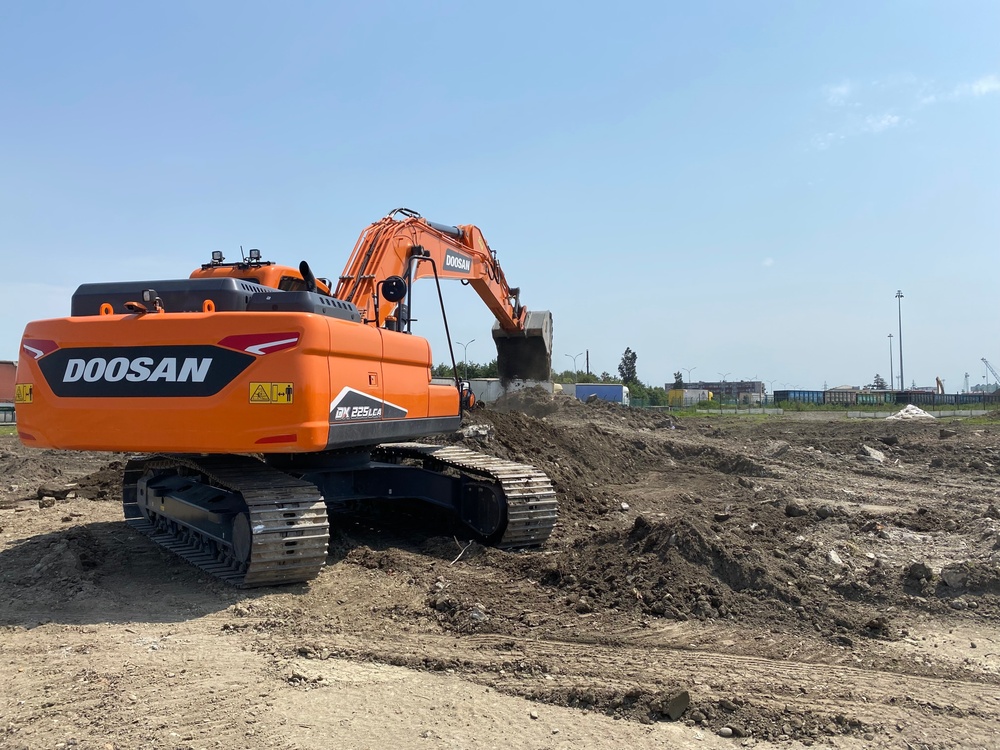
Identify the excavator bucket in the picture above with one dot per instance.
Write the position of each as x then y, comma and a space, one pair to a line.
527, 354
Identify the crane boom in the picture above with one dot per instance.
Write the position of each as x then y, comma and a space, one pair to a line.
990, 368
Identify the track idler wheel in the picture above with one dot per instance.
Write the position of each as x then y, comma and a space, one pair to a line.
242, 538
484, 511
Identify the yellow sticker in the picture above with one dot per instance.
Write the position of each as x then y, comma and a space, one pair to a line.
23, 393
271, 393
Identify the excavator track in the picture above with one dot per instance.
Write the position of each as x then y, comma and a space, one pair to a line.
532, 508
285, 540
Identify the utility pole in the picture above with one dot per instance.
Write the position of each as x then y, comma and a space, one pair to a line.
891, 377
899, 305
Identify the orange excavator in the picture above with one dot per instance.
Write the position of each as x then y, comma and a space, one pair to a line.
266, 401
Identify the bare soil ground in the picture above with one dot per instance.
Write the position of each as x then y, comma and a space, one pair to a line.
805, 582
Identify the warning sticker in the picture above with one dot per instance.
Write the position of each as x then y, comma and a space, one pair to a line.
271, 393
23, 393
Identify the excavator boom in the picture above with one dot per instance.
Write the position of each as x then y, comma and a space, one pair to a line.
406, 245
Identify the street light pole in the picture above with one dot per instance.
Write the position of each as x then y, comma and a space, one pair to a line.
465, 357
689, 370
899, 305
892, 379
722, 378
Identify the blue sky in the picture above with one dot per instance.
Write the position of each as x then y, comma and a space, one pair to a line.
738, 188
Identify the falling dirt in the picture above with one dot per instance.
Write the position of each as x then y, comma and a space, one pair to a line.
712, 582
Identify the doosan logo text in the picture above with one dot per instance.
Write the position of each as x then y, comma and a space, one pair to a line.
457, 262
137, 370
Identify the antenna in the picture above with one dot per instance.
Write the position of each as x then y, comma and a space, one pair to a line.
242, 254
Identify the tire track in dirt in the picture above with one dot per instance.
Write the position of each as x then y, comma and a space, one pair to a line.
855, 700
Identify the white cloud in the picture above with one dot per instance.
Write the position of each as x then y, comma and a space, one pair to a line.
838, 95
985, 85
900, 93
880, 123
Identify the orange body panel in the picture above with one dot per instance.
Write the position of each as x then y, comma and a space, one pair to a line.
281, 382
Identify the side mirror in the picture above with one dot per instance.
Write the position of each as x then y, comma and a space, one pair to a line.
393, 289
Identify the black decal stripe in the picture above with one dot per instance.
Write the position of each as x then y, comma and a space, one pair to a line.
368, 433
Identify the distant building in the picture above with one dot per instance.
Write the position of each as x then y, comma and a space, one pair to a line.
740, 391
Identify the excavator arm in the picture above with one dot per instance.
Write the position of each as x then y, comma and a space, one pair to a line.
408, 246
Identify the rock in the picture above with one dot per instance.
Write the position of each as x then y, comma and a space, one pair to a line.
624, 506
950, 525
945, 433
697, 716
56, 490
889, 440
866, 453
958, 604
726, 732
834, 558
778, 448
46, 502
918, 571
824, 511
795, 509
722, 516
878, 627
533, 714
477, 431
583, 606
673, 705
478, 613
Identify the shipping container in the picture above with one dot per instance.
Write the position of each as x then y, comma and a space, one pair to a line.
805, 397
488, 390
687, 396
876, 398
616, 393
841, 397
8, 372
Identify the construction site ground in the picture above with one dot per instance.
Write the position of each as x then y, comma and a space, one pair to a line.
786, 582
